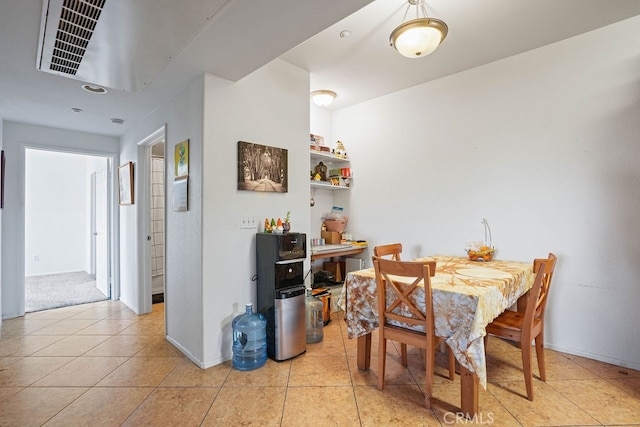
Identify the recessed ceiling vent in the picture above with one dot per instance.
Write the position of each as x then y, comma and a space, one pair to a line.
66, 33
118, 44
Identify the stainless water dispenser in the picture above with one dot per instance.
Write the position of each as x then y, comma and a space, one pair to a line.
281, 292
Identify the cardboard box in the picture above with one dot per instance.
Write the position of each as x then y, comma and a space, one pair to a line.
331, 237
337, 268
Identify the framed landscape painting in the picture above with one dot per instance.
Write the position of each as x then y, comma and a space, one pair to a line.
262, 168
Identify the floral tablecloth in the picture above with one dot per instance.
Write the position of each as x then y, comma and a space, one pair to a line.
467, 296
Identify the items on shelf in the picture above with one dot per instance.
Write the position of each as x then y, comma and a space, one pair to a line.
325, 172
321, 172
340, 151
317, 143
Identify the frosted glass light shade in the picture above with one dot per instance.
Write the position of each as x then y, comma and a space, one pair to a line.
322, 98
418, 37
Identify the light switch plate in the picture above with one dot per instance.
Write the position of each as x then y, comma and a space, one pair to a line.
248, 221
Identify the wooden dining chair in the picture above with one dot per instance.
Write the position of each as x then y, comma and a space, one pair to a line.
523, 327
400, 280
393, 249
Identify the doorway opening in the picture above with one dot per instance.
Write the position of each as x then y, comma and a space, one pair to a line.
152, 216
157, 221
67, 218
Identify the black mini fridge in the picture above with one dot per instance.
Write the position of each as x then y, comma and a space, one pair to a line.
281, 292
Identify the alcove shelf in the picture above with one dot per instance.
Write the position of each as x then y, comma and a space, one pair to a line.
328, 159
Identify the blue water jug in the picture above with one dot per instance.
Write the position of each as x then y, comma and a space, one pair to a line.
249, 340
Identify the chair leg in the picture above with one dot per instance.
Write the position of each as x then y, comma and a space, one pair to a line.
526, 367
540, 355
430, 362
452, 364
382, 354
403, 354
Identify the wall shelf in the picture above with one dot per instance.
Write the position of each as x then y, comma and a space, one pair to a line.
328, 157
327, 186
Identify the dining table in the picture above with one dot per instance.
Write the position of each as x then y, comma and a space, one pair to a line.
467, 296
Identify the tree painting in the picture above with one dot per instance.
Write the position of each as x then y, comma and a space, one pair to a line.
262, 168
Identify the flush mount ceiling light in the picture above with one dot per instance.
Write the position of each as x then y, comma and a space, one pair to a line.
94, 89
420, 36
322, 98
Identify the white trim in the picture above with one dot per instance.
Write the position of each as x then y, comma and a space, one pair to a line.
598, 357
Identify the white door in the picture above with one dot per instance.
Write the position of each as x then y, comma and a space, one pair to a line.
100, 232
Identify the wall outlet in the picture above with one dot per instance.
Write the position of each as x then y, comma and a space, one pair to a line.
248, 221
36, 257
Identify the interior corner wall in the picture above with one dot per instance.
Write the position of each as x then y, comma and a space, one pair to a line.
321, 123
15, 137
544, 145
268, 107
182, 115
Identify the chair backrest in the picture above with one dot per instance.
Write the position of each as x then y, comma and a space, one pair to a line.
550, 266
400, 280
543, 267
393, 249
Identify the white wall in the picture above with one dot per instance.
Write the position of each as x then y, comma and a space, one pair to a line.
56, 212
16, 136
268, 107
545, 146
183, 275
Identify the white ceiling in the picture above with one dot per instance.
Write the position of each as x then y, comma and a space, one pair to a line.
175, 41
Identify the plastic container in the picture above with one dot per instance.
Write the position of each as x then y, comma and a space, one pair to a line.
315, 322
249, 340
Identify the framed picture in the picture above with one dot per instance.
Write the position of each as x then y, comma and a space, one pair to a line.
180, 194
262, 168
181, 159
125, 184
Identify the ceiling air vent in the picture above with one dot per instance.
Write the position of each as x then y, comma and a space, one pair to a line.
73, 22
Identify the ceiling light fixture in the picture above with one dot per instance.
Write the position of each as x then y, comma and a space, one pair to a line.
322, 98
94, 89
420, 36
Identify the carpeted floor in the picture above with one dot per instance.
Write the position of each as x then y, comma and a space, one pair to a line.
60, 290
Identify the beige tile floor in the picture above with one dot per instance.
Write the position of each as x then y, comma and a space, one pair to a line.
100, 364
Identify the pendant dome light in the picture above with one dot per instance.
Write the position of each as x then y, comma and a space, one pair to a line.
418, 37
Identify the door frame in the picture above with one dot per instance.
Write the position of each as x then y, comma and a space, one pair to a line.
112, 219
144, 218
